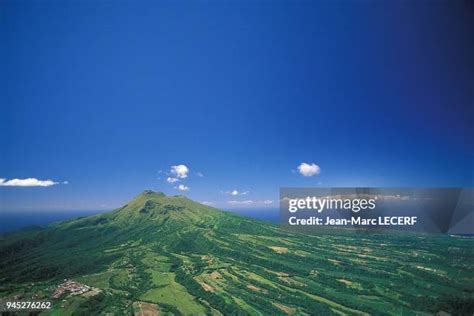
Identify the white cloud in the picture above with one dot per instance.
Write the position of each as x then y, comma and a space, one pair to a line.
207, 203
308, 170
237, 192
29, 182
200, 174
250, 202
182, 187
65, 182
172, 180
180, 171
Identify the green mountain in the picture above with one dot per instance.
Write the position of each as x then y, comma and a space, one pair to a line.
171, 255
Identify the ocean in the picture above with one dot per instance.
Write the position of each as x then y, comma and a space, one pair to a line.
10, 221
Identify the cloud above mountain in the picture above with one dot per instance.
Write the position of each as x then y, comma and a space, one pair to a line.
250, 202
180, 171
177, 173
182, 187
28, 182
236, 192
308, 169
172, 180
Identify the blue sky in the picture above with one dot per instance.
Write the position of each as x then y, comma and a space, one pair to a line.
109, 95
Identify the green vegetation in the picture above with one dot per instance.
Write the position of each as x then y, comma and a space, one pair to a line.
175, 256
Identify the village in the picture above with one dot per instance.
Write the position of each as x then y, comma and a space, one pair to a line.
75, 288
